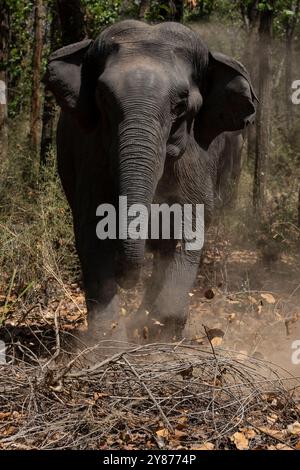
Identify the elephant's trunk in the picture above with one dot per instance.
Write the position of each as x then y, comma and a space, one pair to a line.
141, 160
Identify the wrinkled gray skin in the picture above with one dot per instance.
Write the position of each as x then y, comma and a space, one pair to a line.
225, 155
140, 107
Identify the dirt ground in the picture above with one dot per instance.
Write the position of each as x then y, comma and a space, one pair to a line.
251, 310
255, 306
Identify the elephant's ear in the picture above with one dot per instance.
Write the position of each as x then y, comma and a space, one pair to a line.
68, 77
229, 99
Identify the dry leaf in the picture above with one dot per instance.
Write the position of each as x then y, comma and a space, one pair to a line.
179, 434
204, 446
187, 373
163, 433
297, 446
157, 322
98, 395
252, 300
182, 422
9, 430
209, 294
271, 419
271, 432
249, 432
268, 298
294, 428
231, 317
215, 336
240, 441
259, 309
216, 341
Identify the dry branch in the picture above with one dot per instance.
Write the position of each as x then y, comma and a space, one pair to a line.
135, 392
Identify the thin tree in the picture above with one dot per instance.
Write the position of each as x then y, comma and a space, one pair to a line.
68, 19
299, 207
39, 18
263, 121
171, 10
178, 10
4, 28
71, 17
49, 105
250, 15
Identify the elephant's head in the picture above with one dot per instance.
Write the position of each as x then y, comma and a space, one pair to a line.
150, 90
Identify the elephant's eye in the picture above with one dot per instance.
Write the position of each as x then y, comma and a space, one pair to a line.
181, 107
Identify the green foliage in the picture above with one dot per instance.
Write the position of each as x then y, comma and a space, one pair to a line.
203, 10
157, 10
19, 53
207, 9
100, 14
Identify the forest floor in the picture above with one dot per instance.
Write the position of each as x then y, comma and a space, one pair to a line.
254, 314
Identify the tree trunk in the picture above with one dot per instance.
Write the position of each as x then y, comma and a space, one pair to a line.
49, 107
251, 66
299, 207
263, 121
288, 81
71, 16
39, 18
291, 23
48, 120
250, 16
3, 82
178, 10
175, 11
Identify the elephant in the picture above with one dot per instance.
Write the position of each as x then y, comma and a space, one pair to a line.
145, 110
225, 156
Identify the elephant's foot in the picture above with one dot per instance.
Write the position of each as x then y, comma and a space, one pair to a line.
103, 338
105, 333
151, 327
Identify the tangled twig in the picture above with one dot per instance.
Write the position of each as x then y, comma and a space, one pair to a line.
139, 394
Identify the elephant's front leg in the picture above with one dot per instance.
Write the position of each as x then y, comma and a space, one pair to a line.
98, 266
164, 311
